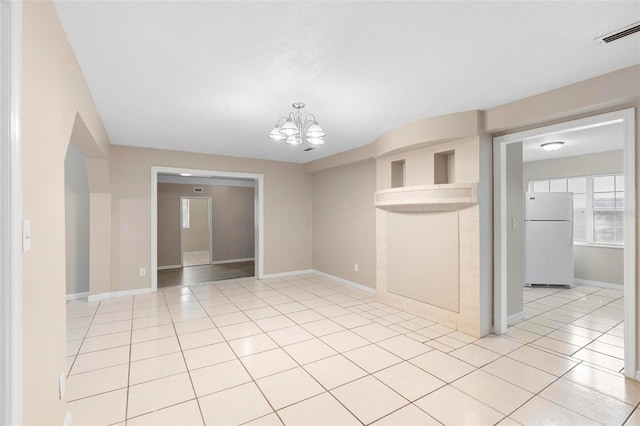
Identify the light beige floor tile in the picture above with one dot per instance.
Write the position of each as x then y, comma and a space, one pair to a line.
290, 335
545, 361
100, 359
351, 320
288, 387
98, 343
331, 311
534, 328
523, 375
263, 312
309, 351
573, 339
475, 355
602, 360
404, 347
78, 322
409, 381
556, 346
274, 323
109, 328
451, 407
208, 355
303, 317
151, 396
594, 405
408, 416
320, 410
494, 392
104, 409
443, 366
581, 331
344, 341
607, 349
150, 311
200, 338
156, 368
267, 363
219, 377
612, 384
152, 333
268, 420
192, 326
335, 371
234, 406
288, 308
322, 327
111, 317
634, 419
188, 315
521, 335
252, 345
73, 346
499, 344
368, 399
508, 422
237, 331
77, 333
152, 321
229, 319
372, 358
374, 332
153, 348
184, 414
96, 382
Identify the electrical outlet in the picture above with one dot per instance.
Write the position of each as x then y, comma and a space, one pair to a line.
143, 272
62, 385
355, 267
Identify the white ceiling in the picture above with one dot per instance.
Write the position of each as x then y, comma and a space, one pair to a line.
214, 77
582, 141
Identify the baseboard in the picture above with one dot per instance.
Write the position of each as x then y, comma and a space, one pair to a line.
347, 282
598, 283
285, 274
518, 316
102, 296
68, 419
162, 268
77, 296
219, 262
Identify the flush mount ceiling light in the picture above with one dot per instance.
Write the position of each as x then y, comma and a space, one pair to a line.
552, 146
295, 131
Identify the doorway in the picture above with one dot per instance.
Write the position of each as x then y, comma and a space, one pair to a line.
196, 223
504, 223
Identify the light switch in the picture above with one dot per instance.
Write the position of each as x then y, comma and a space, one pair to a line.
26, 235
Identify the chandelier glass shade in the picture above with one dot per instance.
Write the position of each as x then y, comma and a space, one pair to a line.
295, 131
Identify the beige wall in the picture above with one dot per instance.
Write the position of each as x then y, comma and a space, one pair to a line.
54, 95
77, 228
233, 221
344, 222
515, 229
287, 209
196, 236
590, 263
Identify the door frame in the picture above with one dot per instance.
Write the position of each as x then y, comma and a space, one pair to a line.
258, 212
625, 116
10, 212
209, 218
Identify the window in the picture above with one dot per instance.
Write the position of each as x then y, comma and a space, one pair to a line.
598, 206
185, 212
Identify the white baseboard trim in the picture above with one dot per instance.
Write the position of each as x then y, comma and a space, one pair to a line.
598, 283
77, 296
518, 316
286, 274
162, 268
219, 262
68, 419
347, 282
102, 296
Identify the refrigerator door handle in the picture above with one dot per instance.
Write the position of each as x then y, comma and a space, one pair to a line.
571, 240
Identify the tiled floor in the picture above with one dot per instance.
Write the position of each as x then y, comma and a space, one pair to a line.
306, 350
195, 258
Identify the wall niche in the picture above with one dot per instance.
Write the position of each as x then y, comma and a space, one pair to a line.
444, 167
397, 174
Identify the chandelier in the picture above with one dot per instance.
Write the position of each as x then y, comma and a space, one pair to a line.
295, 131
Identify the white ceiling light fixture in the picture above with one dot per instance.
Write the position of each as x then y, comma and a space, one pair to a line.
294, 130
552, 146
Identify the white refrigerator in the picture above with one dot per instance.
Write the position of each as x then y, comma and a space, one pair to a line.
548, 236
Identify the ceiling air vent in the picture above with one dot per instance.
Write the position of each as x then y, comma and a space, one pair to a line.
618, 34
198, 189
308, 149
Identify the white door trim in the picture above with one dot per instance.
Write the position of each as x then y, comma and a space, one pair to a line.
209, 218
627, 117
258, 215
10, 212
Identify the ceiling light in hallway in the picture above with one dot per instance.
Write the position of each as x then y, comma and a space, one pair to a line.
552, 146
